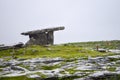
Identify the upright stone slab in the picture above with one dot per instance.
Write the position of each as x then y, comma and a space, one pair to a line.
50, 37
42, 37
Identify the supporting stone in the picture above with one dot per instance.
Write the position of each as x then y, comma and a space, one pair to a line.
50, 37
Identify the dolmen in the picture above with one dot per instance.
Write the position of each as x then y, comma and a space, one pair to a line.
43, 36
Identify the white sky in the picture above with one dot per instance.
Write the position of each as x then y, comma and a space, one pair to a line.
84, 20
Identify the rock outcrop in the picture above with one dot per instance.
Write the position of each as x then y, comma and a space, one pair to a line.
97, 68
16, 46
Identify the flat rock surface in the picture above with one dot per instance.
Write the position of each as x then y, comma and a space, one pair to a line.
58, 67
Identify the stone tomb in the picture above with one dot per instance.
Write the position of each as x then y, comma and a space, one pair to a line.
42, 37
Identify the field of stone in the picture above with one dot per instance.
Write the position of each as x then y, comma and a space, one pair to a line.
71, 61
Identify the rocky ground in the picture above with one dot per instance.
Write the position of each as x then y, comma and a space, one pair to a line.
90, 68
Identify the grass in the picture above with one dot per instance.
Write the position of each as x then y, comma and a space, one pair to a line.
71, 71
111, 68
113, 44
63, 51
50, 67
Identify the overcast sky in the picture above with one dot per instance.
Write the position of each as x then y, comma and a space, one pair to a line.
84, 20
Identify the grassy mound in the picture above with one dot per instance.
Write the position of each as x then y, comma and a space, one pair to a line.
63, 51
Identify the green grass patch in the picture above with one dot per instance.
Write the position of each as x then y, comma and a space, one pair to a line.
50, 67
111, 68
62, 51
71, 71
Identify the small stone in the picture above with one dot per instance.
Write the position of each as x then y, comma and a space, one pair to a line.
33, 76
32, 67
49, 49
114, 57
83, 67
13, 67
80, 73
118, 62
118, 69
7, 69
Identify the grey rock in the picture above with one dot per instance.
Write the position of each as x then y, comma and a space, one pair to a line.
80, 73
6, 64
84, 68
114, 51
6, 47
33, 76
9, 63
57, 71
102, 75
118, 69
18, 68
1, 60
44, 60
110, 64
102, 50
99, 73
114, 57
7, 69
19, 45
49, 75
96, 60
32, 67
118, 61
